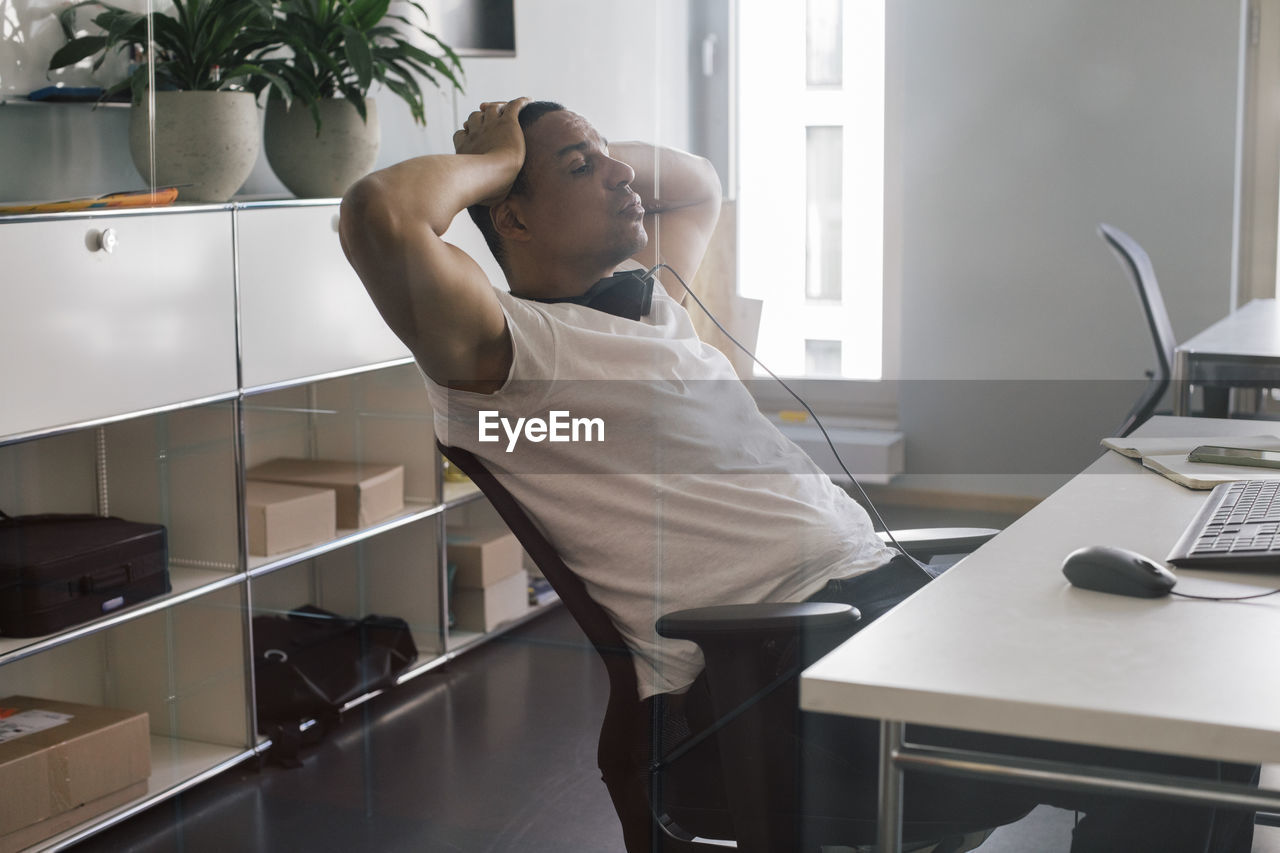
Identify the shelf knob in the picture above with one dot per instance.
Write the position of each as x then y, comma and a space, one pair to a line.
107, 240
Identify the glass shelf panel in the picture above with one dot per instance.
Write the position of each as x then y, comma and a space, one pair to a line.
186, 583
392, 574
175, 766
413, 511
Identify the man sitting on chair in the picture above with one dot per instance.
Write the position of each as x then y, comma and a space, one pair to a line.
630, 442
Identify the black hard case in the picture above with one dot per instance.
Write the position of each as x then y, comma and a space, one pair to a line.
60, 570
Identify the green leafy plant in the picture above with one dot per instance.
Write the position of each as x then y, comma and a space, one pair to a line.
204, 45
339, 48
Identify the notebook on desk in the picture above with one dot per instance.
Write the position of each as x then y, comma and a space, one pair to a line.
1168, 457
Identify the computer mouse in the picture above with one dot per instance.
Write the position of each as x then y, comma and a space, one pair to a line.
1117, 570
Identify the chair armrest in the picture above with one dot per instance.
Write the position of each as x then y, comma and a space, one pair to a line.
927, 542
755, 619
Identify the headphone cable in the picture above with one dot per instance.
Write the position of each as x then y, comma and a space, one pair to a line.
870, 505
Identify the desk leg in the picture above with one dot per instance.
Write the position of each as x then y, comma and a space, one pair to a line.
1217, 401
1181, 385
890, 828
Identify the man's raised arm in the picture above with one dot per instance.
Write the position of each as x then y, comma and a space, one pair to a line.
432, 294
681, 197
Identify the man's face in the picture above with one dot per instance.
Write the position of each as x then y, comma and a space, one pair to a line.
578, 204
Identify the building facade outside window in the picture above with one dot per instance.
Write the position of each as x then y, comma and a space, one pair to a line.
810, 143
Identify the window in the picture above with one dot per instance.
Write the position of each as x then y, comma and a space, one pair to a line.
824, 163
824, 42
811, 183
822, 358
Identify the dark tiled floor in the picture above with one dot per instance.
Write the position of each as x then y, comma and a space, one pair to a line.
496, 753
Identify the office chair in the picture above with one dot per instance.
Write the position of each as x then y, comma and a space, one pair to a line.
1138, 266
673, 788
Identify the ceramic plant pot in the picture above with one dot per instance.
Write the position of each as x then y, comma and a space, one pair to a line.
205, 142
321, 165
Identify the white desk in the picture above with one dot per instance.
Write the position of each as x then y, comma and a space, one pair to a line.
1003, 644
1242, 349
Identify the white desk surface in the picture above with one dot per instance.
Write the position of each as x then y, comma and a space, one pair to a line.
1253, 331
1002, 643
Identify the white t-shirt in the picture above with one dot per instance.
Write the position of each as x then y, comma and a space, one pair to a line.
682, 495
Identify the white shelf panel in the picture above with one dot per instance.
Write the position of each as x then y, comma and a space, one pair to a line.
175, 762
428, 645
413, 511
429, 656
461, 641
456, 494
175, 766
48, 430
303, 311
293, 382
157, 314
423, 665
186, 584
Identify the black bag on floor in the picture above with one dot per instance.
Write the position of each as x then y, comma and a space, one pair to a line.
309, 663
60, 570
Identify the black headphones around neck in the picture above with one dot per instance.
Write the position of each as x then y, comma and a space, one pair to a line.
627, 294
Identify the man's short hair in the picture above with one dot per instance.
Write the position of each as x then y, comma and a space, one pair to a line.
479, 213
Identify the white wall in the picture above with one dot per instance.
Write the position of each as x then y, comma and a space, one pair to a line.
1024, 126
622, 63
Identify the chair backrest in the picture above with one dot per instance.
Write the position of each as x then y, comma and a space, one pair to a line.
1138, 266
589, 615
622, 753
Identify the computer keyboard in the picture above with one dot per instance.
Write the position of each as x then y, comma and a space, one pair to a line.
1238, 527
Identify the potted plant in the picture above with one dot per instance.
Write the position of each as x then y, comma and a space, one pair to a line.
205, 134
324, 140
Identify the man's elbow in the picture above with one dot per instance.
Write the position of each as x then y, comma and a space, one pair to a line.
703, 192
365, 217
709, 179
706, 195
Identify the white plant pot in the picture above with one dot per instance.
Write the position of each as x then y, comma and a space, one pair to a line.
323, 165
205, 142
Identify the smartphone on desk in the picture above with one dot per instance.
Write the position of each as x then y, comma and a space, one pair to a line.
1235, 456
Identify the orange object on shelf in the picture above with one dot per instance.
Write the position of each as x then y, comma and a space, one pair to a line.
138, 198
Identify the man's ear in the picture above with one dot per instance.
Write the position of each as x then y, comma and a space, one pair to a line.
508, 220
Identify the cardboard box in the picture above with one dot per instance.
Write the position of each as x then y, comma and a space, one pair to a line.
283, 517
484, 556
487, 608
49, 827
59, 756
366, 493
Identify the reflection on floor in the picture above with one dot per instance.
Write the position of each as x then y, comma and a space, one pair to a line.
496, 753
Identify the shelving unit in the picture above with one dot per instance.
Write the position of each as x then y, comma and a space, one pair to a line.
152, 378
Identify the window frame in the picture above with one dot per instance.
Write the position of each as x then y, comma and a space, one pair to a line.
1258, 156
872, 401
